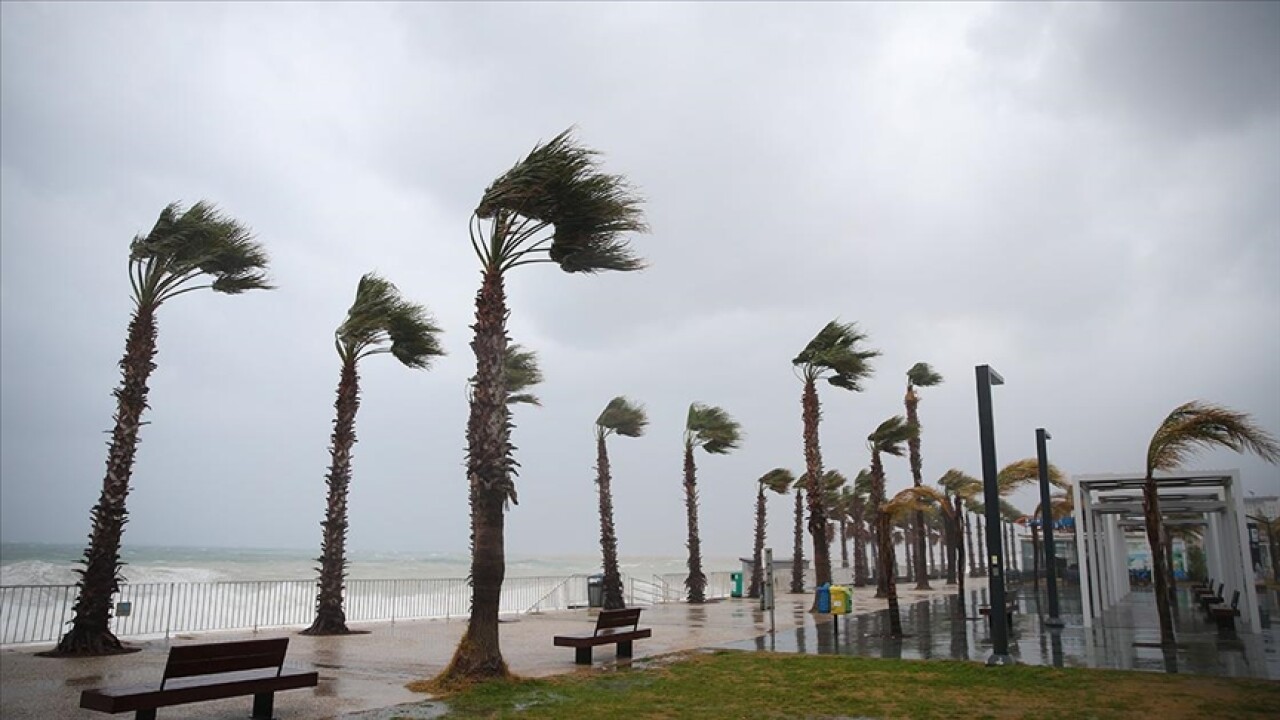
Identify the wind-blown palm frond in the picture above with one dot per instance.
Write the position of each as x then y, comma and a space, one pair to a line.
712, 428
623, 417
1010, 513
1024, 472
559, 184
834, 354
186, 244
1060, 506
890, 436
901, 506
777, 480
1196, 425
921, 375
833, 481
862, 483
522, 373
381, 321
959, 483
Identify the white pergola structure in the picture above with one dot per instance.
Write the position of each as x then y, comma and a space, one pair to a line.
1109, 505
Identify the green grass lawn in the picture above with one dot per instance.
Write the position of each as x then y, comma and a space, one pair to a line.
766, 685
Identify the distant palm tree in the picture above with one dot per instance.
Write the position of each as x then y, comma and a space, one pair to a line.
841, 507
959, 489
1188, 428
625, 418
920, 375
380, 321
554, 206
858, 521
1060, 506
797, 547
1010, 515
833, 484
896, 509
712, 429
834, 355
888, 439
777, 480
1012, 477
187, 250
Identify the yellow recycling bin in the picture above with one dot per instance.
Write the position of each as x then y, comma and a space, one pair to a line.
841, 600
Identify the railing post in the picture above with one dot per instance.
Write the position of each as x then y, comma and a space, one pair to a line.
168, 612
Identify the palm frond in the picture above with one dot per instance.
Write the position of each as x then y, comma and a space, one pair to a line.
957, 482
863, 482
890, 436
520, 367
380, 320
198, 241
623, 417
1020, 473
1008, 512
902, 505
559, 183
777, 480
921, 375
834, 354
712, 428
1197, 425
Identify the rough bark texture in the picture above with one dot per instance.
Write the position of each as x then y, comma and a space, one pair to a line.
608, 537
696, 582
813, 469
757, 553
489, 477
1151, 510
90, 632
886, 573
797, 551
913, 452
331, 619
859, 544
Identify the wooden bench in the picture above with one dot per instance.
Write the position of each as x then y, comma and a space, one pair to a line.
1009, 607
1225, 616
1209, 598
618, 627
195, 673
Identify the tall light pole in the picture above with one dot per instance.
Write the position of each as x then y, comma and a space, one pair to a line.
991, 499
1046, 522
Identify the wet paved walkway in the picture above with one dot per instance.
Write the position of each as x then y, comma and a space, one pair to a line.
932, 630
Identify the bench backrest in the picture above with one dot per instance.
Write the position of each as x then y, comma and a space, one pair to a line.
610, 619
1235, 600
210, 659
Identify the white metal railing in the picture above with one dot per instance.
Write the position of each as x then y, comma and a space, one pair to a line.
719, 585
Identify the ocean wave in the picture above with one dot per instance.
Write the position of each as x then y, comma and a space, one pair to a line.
40, 572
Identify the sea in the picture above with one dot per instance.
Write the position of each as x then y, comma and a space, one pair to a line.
53, 564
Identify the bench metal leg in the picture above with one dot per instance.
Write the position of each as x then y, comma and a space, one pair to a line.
263, 705
624, 648
148, 714
582, 655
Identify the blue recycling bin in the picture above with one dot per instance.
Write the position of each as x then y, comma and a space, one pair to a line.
824, 598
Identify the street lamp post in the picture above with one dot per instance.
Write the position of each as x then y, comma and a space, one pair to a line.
1046, 522
991, 499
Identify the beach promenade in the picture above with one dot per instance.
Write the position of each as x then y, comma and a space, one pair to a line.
367, 672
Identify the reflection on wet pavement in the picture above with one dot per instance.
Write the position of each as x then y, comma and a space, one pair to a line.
941, 627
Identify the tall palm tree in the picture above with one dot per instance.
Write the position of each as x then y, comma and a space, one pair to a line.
625, 418
797, 545
777, 480
888, 439
920, 375
833, 485
896, 509
379, 322
959, 490
1190, 427
841, 507
712, 429
834, 354
187, 250
554, 206
858, 519
949, 508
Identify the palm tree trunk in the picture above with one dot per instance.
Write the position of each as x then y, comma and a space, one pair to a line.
844, 543
933, 565
859, 546
757, 555
331, 619
696, 582
1151, 510
813, 469
960, 545
90, 632
489, 466
913, 452
1168, 554
888, 571
797, 551
608, 538
982, 550
968, 543
885, 570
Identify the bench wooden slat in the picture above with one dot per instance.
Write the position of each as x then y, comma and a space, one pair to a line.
192, 660
189, 690
617, 618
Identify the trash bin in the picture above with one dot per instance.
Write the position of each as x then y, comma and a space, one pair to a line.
735, 579
841, 600
595, 591
824, 598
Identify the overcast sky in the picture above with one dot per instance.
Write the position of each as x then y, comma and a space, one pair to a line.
1082, 196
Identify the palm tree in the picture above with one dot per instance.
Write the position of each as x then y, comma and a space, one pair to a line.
959, 489
713, 430
797, 547
187, 250
554, 206
777, 480
1011, 516
841, 507
1060, 506
920, 375
858, 517
520, 372
896, 509
380, 321
888, 439
1188, 428
625, 418
834, 355
1012, 477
